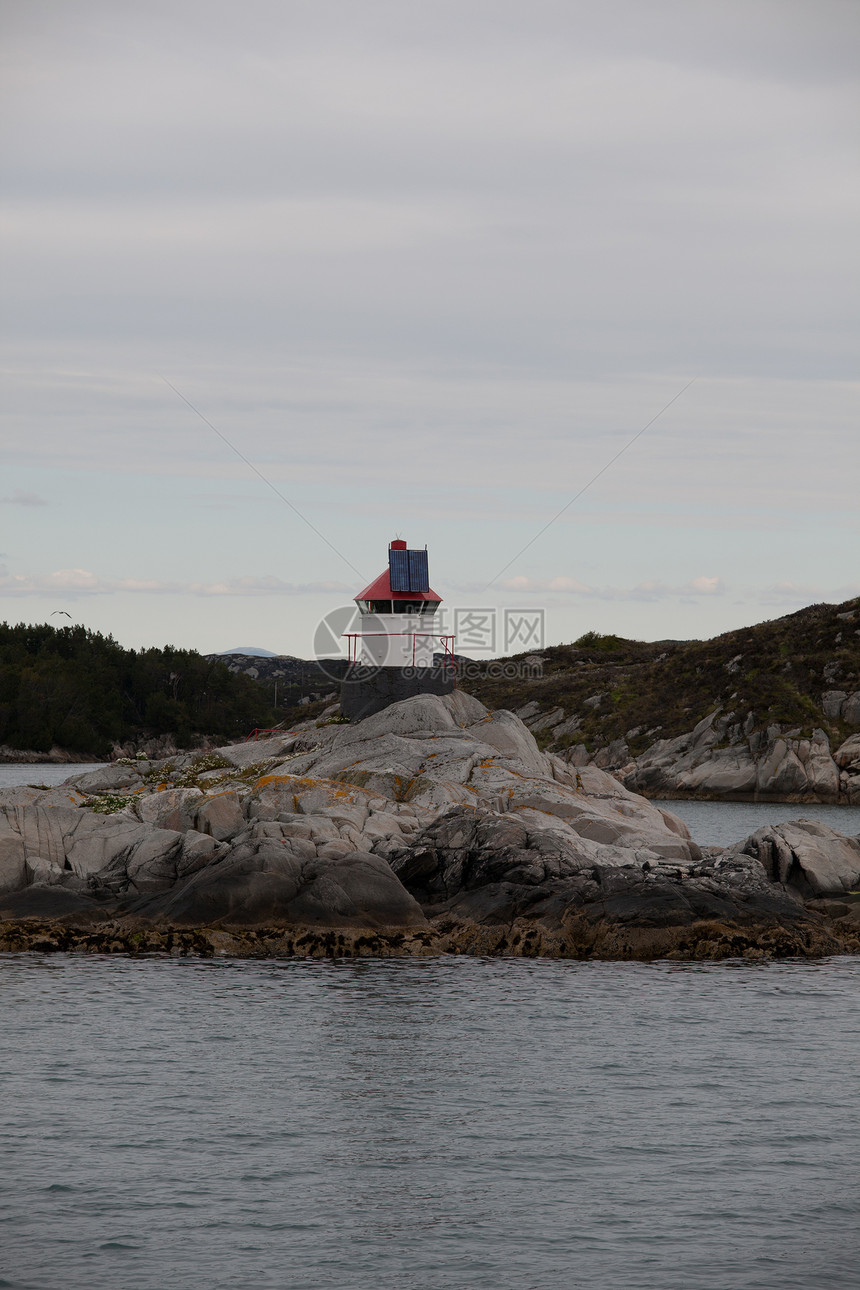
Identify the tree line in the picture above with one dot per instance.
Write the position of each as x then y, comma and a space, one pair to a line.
78, 689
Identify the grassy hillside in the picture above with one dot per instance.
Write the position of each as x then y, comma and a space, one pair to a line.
82, 691
776, 670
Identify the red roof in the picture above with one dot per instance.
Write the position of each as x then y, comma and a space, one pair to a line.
380, 589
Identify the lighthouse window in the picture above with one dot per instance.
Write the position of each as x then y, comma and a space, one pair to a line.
415, 606
398, 606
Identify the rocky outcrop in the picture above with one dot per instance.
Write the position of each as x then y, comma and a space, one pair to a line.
490, 869
56, 756
839, 705
758, 713
806, 856
432, 819
278, 881
720, 758
847, 758
153, 748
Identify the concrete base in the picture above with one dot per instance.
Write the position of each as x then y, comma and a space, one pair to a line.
364, 690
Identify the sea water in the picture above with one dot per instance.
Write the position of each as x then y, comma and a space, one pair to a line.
720, 824
412, 1125
41, 774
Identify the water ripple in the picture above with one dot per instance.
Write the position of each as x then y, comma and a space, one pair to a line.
508, 1124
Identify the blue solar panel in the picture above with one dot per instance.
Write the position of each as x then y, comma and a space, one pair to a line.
398, 567
408, 571
419, 575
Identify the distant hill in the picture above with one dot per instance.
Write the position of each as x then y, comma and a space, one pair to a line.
788, 672
253, 651
293, 682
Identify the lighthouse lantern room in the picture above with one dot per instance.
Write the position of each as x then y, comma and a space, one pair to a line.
398, 650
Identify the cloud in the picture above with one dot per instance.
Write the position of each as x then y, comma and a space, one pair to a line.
19, 498
710, 586
440, 261
651, 589
74, 583
706, 586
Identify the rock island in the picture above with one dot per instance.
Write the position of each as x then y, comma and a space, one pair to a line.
433, 826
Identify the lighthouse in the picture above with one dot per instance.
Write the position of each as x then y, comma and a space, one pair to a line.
398, 649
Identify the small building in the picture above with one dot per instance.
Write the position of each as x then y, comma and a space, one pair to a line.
398, 649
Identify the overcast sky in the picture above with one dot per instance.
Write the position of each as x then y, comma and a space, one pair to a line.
429, 268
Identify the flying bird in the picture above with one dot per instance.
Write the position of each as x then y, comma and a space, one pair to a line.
63, 612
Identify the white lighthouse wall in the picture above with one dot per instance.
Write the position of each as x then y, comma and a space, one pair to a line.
394, 648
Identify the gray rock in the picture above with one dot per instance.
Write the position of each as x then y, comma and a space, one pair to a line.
831, 704
274, 830
781, 772
13, 870
335, 850
851, 789
172, 808
107, 779
847, 755
614, 755
253, 752
806, 855
495, 870
695, 765
851, 709
266, 883
425, 714
822, 773
62, 843
49, 832
101, 843
198, 850
43, 873
508, 735
729, 772
565, 728
546, 720
153, 864
220, 815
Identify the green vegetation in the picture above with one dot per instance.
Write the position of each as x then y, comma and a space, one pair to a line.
595, 640
776, 670
110, 803
189, 777
80, 690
